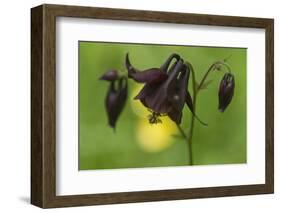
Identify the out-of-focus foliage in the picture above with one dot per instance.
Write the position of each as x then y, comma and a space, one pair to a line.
136, 143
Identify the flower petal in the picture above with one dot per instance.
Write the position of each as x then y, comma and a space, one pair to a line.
176, 116
149, 96
159, 101
147, 90
188, 101
150, 76
179, 92
167, 63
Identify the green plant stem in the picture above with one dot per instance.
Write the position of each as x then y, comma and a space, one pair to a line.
186, 139
196, 89
182, 132
195, 93
189, 139
203, 79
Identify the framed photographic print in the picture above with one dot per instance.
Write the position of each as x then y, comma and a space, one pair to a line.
136, 106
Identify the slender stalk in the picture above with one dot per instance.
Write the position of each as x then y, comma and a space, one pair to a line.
205, 76
182, 132
196, 89
195, 93
189, 140
186, 139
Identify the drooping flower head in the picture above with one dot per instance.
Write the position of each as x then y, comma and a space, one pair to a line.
226, 91
116, 96
165, 88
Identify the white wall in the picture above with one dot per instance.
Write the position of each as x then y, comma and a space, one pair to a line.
15, 106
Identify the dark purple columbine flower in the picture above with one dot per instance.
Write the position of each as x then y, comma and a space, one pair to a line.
116, 96
226, 91
165, 90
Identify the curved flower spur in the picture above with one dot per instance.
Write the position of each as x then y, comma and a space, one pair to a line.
116, 95
165, 91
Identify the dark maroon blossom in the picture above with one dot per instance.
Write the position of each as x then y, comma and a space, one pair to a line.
116, 96
226, 91
165, 90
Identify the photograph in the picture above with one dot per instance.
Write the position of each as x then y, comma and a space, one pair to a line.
161, 105
121, 97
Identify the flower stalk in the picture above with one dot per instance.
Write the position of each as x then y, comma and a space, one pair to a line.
196, 89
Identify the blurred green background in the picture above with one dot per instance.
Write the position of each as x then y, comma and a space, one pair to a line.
136, 143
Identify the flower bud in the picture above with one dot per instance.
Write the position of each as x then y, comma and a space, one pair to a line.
115, 100
110, 75
226, 91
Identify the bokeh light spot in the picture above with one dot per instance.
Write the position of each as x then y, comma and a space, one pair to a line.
155, 137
